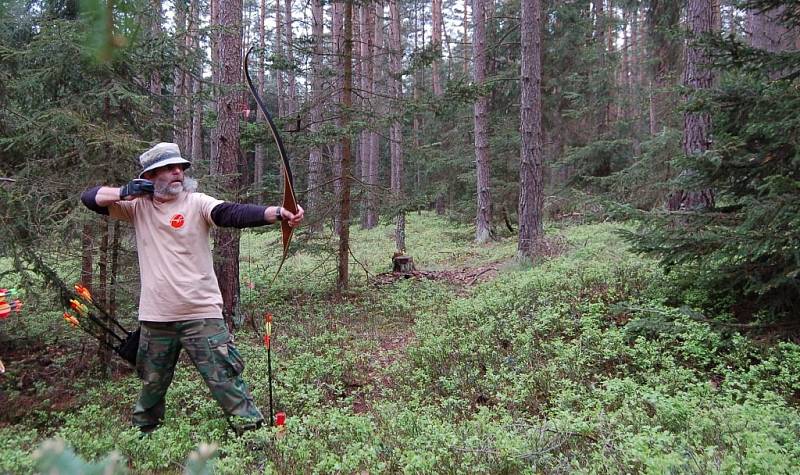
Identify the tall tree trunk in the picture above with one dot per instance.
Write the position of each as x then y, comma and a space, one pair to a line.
213, 160
365, 142
197, 76
112, 283
483, 220
226, 241
342, 280
436, 73
531, 193
610, 36
637, 72
359, 97
87, 255
597, 14
768, 33
436, 40
101, 295
179, 95
189, 41
662, 21
280, 88
697, 76
260, 152
315, 155
601, 115
155, 75
396, 128
418, 45
465, 37
291, 103
337, 21
376, 66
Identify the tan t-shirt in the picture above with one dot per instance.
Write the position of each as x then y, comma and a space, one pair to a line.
177, 272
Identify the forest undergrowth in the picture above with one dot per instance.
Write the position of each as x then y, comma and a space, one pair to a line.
588, 361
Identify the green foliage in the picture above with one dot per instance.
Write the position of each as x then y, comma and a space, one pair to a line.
576, 364
19, 443
745, 251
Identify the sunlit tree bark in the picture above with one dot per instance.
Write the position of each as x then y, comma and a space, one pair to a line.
436, 40
697, 76
337, 21
315, 155
483, 220
531, 193
396, 127
343, 275
226, 240
260, 152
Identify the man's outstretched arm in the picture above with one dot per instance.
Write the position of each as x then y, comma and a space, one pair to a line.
236, 215
99, 198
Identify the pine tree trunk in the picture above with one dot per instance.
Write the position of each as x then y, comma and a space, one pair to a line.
637, 72
663, 18
531, 192
697, 76
112, 283
101, 294
376, 43
436, 39
358, 150
483, 220
213, 159
315, 155
87, 256
155, 75
396, 127
87, 245
625, 75
768, 33
342, 280
226, 241
179, 80
291, 103
365, 138
196, 152
278, 52
465, 37
337, 21
260, 151
436, 73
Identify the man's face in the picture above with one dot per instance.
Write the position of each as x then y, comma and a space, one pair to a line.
167, 180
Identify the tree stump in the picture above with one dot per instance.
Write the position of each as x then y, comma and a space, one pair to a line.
403, 264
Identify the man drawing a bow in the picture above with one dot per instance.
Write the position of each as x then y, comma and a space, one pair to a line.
181, 304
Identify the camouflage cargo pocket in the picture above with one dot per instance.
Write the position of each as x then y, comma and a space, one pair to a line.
225, 357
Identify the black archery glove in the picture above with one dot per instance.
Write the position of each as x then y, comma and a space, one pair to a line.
137, 187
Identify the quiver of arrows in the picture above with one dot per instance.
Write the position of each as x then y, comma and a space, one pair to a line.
123, 342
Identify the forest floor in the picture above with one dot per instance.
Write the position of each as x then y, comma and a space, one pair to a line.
390, 343
587, 361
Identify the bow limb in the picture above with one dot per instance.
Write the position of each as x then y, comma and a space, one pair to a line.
289, 200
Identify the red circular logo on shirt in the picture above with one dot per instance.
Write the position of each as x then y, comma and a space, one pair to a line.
177, 221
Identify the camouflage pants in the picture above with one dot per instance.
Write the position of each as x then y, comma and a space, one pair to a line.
210, 348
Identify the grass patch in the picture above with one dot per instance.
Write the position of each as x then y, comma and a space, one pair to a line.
576, 364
